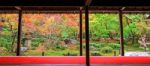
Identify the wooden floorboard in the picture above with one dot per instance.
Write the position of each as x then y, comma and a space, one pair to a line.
79, 65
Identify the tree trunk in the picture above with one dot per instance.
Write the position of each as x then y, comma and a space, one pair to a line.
133, 38
110, 36
13, 41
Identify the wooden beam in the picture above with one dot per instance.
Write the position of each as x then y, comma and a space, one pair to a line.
19, 33
75, 8
88, 2
18, 8
121, 33
87, 36
80, 31
123, 8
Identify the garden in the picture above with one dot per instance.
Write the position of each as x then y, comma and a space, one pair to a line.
58, 34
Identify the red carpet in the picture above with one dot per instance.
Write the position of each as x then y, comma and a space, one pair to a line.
73, 60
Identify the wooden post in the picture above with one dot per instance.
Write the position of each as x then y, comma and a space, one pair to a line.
81, 53
87, 35
121, 33
19, 32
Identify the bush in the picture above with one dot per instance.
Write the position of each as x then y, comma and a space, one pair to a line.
107, 49
95, 53
136, 45
70, 54
114, 46
5, 42
36, 41
97, 45
59, 47
3, 49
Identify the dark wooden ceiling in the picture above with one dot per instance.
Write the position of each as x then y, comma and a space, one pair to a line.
42, 2
74, 2
120, 3
74, 5
76, 8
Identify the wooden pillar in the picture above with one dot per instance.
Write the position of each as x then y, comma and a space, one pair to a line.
87, 35
121, 33
19, 32
81, 53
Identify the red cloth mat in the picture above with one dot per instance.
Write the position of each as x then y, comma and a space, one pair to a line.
73, 60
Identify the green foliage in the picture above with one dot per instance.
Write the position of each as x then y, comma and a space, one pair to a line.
135, 17
103, 24
64, 35
70, 54
57, 29
97, 45
7, 54
54, 53
115, 46
61, 53
6, 41
106, 50
59, 47
37, 41
68, 32
132, 28
95, 53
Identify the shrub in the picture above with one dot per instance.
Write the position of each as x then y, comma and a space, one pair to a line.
70, 54
136, 45
95, 53
114, 46
59, 47
5, 42
107, 49
97, 45
36, 41
3, 49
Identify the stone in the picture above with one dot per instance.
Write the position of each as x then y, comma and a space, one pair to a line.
137, 54
23, 49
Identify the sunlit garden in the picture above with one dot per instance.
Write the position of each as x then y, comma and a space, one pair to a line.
58, 34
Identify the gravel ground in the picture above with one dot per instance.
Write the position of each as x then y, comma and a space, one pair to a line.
137, 54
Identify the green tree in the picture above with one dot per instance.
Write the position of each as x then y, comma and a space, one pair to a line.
104, 26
